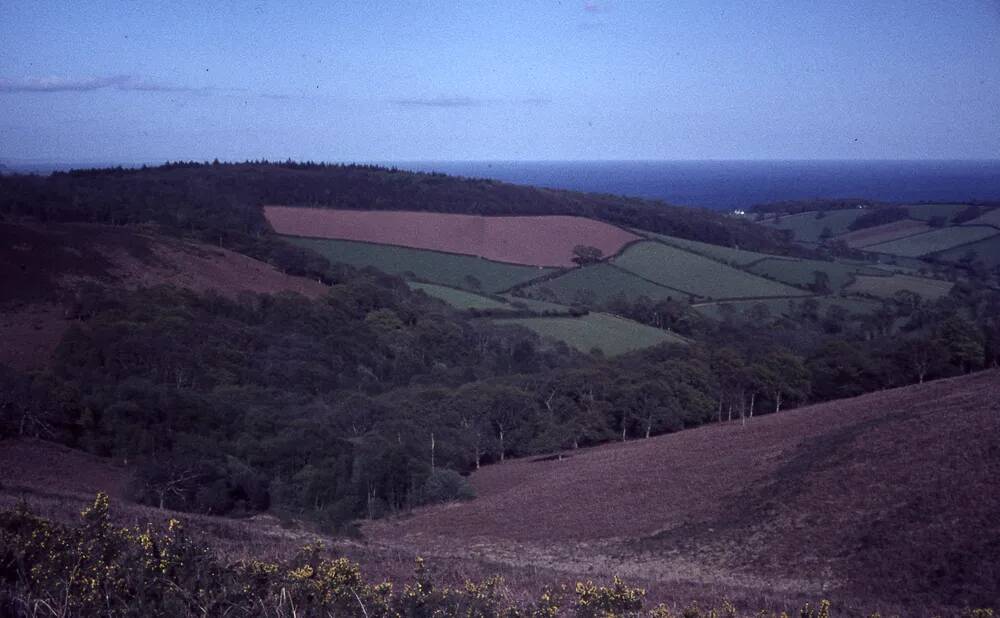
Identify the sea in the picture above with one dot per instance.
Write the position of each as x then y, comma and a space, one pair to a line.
730, 185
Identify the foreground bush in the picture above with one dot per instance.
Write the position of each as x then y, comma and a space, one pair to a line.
94, 568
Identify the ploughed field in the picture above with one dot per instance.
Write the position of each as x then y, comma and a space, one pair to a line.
888, 498
528, 240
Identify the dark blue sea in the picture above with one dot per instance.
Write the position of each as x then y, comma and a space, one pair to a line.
725, 185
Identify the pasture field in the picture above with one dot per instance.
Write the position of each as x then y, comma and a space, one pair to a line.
611, 334
534, 304
991, 217
926, 212
940, 239
444, 268
460, 299
599, 283
806, 227
885, 287
987, 250
696, 274
527, 240
743, 309
729, 255
883, 233
802, 272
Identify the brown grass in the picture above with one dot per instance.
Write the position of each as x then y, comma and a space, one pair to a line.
883, 233
40, 266
887, 497
534, 241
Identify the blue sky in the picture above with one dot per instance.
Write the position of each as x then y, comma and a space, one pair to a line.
474, 80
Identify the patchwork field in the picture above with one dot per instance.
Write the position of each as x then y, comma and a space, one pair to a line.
991, 217
730, 255
806, 227
926, 212
885, 287
461, 271
940, 239
599, 283
987, 250
803, 272
698, 275
883, 233
611, 334
888, 497
747, 309
459, 299
529, 240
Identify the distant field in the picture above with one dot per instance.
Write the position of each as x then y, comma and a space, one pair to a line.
701, 276
885, 287
987, 250
992, 217
883, 233
600, 283
807, 228
613, 335
802, 272
783, 306
926, 212
724, 254
445, 268
940, 239
534, 304
459, 299
533, 241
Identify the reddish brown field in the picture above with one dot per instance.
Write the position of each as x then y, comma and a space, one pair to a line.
883, 233
535, 241
40, 266
891, 498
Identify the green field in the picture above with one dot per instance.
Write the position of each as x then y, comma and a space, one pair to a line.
460, 299
698, 275
803, 272
885, 287
716, 252
926, 212
940, 239
987, 250
990, 217
784, 306
599, 284
611, 334
536, 305
807, 228
445, 268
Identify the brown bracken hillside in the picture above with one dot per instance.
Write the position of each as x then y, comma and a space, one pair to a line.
888, 497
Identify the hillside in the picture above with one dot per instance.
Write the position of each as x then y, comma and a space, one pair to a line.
886, 497
44, 268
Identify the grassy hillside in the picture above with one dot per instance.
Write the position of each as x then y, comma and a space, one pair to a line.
886, 287
803, 272
723, 254
612, 335
986, 250
935, 240
598, 284
460, 271
872, 498
460, 299
682, 270
809, 226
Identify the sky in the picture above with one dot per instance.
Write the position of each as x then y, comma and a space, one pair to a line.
361, 80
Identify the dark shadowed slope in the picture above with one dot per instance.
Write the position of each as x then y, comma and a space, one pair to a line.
889, 496
43, 267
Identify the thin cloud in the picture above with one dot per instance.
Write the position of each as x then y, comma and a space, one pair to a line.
450, 102
593, 7
90, 84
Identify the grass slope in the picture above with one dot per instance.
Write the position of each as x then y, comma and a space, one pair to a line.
926, 212
611, 334
598, 283
890, 496
886, 287
987, 250
444, 268
698, 275
806, 227
991, 217
459, 299
784, 306
803, 272
883, 233
730, 255
940, 239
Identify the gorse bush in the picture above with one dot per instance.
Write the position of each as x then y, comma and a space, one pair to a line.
96, 568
